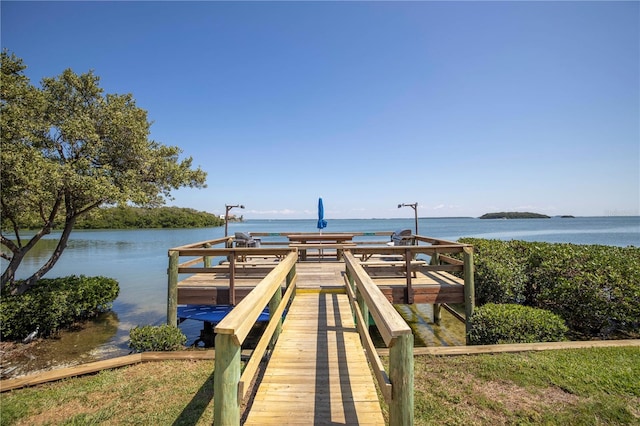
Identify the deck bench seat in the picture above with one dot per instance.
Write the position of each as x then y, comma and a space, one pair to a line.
303, 247
392, 265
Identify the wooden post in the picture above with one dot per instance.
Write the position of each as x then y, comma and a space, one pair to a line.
232, 279
226, 405
435, 258
407, 258
273, 305
172, 288
290, 276
207, 259
437, 308
401, 377
437, 313
364, 309
469, 288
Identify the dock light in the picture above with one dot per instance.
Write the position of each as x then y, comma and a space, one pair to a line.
228, 207
414, 206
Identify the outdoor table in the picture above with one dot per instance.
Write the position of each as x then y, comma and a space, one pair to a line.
304, 241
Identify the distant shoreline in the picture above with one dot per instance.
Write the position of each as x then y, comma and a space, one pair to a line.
514, 215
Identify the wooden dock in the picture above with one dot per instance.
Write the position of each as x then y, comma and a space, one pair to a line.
318, 372
322, 366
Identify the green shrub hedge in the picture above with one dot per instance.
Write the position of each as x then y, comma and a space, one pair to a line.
54, 304
594, 288
511, 323
156, 338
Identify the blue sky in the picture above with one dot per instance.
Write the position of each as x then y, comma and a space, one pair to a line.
463, 107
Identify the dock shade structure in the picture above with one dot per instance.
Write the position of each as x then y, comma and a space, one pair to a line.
245, 240
402, 237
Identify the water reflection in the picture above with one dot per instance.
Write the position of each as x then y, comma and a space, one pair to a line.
448, 332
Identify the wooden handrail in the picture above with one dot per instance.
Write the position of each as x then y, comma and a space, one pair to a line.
203, 254
240, 320
275, 321
229, 385
242, 251
389, 322
397, 336
400, 250
372, 354
202, 243
436, 241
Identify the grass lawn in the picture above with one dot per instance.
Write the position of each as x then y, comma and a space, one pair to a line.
578, 387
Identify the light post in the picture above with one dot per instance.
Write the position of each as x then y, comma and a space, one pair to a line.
414, 206
226, 215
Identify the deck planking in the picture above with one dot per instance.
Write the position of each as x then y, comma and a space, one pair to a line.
318, 372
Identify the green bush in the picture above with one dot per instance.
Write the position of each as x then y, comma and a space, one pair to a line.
54, 304
500, 270
156, 338
510, 323
595, 289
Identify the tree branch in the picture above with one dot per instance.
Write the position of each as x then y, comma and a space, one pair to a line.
8, 244
90, 207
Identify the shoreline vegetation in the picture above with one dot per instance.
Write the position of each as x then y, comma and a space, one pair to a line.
128, 217
146, 218
515, 215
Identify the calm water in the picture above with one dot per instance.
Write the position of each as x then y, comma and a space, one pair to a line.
138, 260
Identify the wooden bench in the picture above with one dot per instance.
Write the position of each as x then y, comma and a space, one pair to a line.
393, 265
302, 248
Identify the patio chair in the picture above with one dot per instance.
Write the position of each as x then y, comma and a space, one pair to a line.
243, 239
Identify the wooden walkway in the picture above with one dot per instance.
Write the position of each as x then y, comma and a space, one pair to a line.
318, 373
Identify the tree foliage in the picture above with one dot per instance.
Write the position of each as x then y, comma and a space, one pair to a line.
514, 215
128, 217
67, 149
124, 217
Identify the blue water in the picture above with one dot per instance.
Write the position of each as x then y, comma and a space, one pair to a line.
613, 231
138, 258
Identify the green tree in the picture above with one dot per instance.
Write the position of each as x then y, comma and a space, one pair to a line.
67, 149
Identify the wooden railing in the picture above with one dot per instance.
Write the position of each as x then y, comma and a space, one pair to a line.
366, 298
229, 385
438, 251
202, 254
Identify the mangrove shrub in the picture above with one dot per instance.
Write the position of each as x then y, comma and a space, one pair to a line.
54, 304
594, 288
156, 338
510, 323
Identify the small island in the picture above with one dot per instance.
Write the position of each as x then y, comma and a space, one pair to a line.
514, 215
